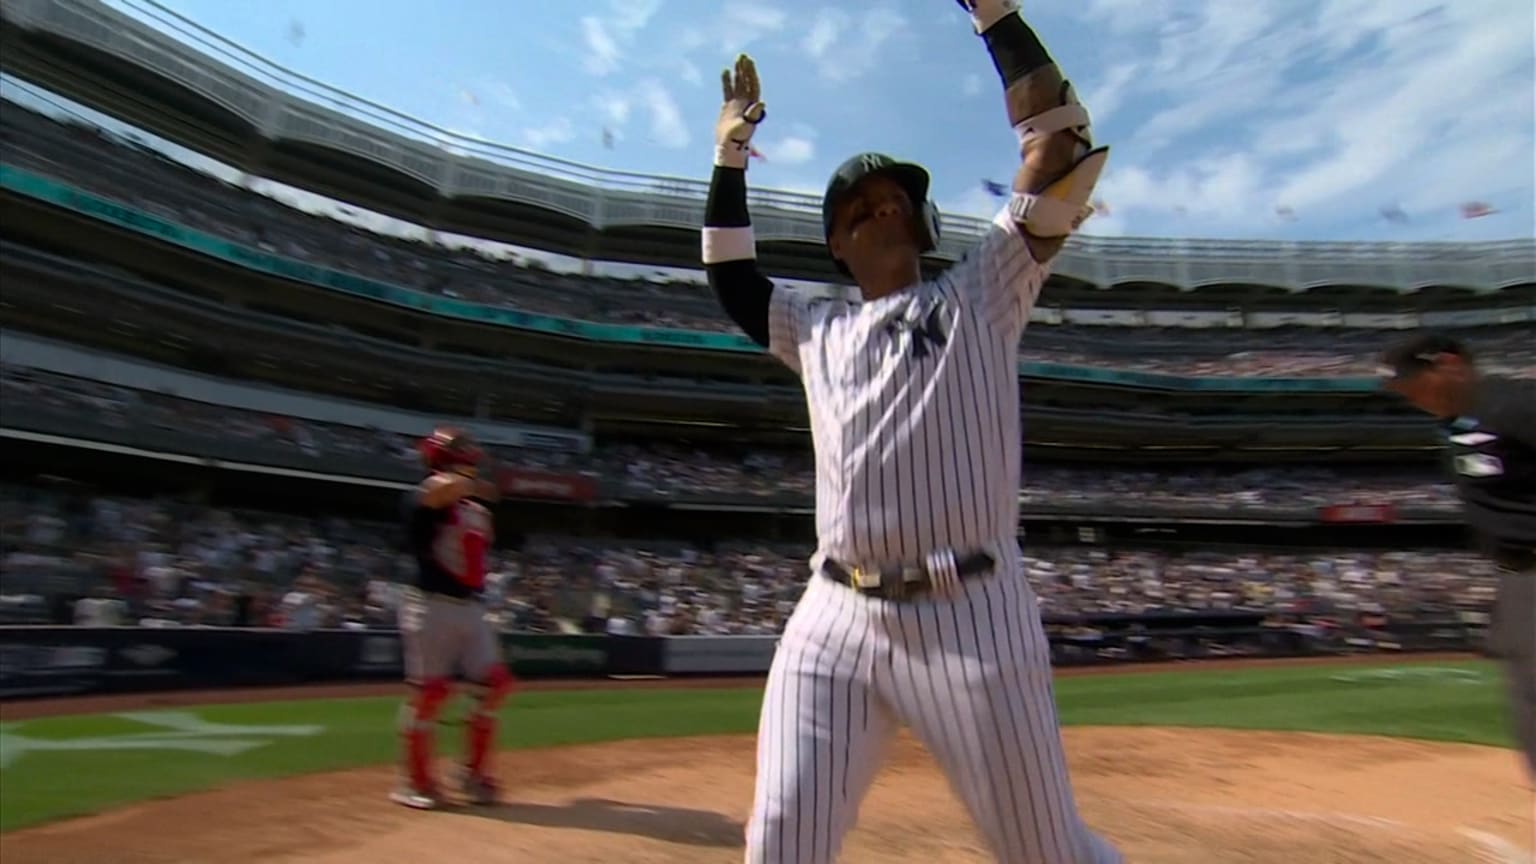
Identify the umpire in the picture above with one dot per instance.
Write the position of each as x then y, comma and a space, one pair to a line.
1489, 425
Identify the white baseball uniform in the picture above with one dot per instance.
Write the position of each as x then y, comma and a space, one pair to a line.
914, 404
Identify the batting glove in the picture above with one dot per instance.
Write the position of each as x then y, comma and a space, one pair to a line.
985, 13
739, 116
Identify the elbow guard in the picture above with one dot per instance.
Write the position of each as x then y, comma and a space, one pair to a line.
1062, 205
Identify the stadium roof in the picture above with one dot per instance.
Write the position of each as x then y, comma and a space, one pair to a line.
276, 123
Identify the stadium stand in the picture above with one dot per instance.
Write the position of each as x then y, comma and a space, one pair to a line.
142, 177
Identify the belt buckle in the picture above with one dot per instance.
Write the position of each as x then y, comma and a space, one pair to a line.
864, 580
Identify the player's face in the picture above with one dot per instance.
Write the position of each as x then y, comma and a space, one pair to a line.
874, 221
1437, 389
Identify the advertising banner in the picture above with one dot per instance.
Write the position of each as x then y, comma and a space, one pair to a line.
1376, 514
523, 483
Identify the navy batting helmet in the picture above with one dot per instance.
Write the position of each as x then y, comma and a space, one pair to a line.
911, 177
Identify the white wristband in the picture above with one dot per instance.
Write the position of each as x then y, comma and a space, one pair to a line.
731, 156
985, 13
720, 245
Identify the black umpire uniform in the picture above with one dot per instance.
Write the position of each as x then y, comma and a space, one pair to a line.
1489, 426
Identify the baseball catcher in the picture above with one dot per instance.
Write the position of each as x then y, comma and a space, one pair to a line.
443, 622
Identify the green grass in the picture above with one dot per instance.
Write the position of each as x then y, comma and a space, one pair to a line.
1449, 701
1461, 702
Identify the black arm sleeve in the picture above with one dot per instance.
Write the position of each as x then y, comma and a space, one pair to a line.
743, 291
1016, 50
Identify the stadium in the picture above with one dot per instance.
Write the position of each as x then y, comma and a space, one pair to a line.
1249, 562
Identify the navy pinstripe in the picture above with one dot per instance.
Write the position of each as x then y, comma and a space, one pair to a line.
914, 409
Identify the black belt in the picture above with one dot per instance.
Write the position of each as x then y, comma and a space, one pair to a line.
897, 582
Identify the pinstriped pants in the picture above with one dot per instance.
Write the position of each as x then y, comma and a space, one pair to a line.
969, 674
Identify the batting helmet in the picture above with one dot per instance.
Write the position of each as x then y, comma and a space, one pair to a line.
447, 448
912, 178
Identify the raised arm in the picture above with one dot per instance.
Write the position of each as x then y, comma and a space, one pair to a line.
730, 252
729, 249
1061, 166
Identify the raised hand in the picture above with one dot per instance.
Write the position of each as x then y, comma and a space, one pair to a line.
742, 110
985, 13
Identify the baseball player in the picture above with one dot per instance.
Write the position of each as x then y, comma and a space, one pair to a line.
443, 620
918, 612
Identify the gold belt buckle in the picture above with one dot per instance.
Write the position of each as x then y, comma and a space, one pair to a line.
865, 579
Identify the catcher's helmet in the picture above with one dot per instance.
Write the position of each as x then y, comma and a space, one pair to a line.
913, 178
448, 448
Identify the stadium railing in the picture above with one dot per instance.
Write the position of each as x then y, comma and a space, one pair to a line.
60, 661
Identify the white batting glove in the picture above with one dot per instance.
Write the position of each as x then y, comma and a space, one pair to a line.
985, 13
739, 116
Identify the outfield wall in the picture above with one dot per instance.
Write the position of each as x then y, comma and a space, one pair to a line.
63, 661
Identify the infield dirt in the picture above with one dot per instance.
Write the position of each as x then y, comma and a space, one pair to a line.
1192, 796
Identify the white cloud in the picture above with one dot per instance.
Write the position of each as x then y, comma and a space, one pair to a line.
691, 39
1106, 94
602, 48
789, 150
607, 36
971, 86
667, 126
655, 104
743, 22
502, 95
844, 47
614, 107
794, 151
824, 31
1332, 107
632, 15
557, 131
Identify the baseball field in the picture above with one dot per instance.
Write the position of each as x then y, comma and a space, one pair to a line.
1308, 761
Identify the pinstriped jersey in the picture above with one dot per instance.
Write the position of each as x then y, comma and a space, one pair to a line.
914, 405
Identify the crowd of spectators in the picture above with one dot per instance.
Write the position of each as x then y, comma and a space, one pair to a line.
176, 562
138, 175
654, 469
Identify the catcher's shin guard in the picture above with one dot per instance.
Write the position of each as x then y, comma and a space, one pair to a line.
418, 721
481, 727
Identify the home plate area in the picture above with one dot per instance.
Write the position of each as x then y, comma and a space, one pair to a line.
1164, 795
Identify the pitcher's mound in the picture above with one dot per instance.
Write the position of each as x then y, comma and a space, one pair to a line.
1191, 796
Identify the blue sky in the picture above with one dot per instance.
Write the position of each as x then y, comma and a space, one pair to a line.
1286, 119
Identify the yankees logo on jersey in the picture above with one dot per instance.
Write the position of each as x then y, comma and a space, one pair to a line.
919, 333
914, 405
